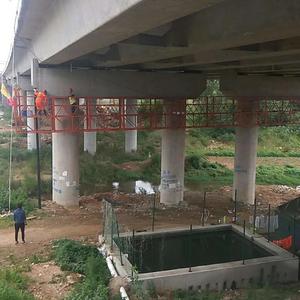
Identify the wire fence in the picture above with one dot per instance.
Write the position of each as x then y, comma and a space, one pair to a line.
156, 250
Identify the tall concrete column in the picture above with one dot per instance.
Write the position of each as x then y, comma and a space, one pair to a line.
65, 162
173, 154
130, 135
31, 137
90, 138
90, 143
245, 153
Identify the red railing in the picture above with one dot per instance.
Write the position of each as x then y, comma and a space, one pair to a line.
110, 114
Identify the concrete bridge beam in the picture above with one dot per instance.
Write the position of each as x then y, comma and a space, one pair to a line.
260, 86
132, 84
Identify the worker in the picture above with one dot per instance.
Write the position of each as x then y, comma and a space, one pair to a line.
20, 222
41, 102
73, 102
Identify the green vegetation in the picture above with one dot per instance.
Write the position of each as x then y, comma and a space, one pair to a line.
24, 184
281, 141
199, 169
85, 259
13, 285
6, 222
104, 168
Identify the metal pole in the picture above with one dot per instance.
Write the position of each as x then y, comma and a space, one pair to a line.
235, 206
244, 234
38, 164
190, 248
153, 211
203, 210
111, 230
132, 249
294, 234
254, 215
269, 219
121, 258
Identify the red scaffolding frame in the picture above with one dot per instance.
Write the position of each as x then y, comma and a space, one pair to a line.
92, 114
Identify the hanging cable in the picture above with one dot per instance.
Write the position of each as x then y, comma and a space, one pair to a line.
10, 160
12, 107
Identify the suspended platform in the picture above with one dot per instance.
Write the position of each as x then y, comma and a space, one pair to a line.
92, 114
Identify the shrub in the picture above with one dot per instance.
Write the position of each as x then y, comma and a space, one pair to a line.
84, 259
72, 255
13, 286
18, 195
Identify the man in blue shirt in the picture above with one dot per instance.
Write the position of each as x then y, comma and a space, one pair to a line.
20, 221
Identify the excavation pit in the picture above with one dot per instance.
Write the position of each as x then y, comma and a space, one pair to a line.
213, 257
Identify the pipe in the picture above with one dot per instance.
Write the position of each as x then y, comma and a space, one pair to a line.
112, 271
111, 267
123, 293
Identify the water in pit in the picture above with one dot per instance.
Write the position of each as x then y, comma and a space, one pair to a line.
175, 250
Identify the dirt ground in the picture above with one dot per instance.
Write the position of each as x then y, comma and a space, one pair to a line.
49, 282
133, 212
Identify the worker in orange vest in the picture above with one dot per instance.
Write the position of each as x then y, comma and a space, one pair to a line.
40, 101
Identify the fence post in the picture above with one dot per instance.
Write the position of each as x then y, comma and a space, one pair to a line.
153, 211
133, 256
190, 248
244, 234
203, 209
111, 230
254, 215
104, 218
269, 220
294, 234
235, 207
119, 245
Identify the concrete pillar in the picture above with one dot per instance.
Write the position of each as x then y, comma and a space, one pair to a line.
130, 119
31, 137
65, 162
90, 138
173, 154
245, 153
90, 143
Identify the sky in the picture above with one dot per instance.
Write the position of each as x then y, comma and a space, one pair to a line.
8, 9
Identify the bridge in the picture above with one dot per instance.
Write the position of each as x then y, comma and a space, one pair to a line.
143, 65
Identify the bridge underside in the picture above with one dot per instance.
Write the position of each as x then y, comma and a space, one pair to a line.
208, 36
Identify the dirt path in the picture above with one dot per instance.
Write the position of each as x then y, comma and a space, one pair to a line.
55, 223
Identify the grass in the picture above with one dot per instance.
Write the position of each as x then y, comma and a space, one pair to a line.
285, 175
199, 169
13, 285
6, 222
84, 259
281, 141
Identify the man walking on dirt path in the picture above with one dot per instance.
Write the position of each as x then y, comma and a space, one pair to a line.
20, 221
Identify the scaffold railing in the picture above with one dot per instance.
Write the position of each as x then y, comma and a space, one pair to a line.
90, 114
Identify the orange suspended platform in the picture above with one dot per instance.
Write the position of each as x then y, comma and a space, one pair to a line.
92, 114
